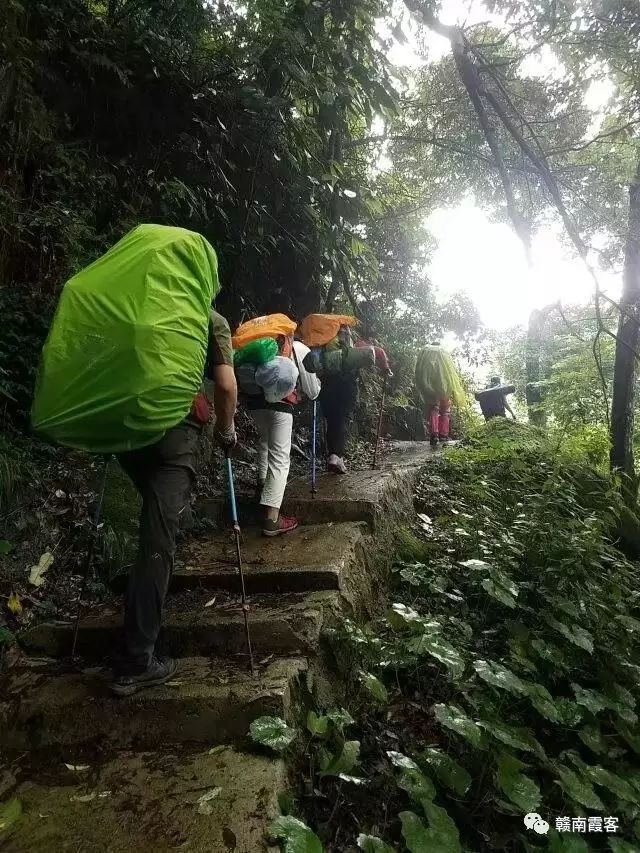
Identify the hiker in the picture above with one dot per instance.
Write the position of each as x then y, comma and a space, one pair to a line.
438, 386
272, 405
164, 475
493, 400
329, 337
131, 338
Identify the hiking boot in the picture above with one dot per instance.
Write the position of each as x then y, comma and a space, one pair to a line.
336, 465
433, 441
284, 524
159, 670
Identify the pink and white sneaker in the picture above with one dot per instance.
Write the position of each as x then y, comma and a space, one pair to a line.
284, 524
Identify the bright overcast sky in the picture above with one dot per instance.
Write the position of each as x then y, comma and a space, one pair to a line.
485, 259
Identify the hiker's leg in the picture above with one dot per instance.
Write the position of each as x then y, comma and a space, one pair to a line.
330, 404
165, 482
445, 419
434, 419
279, 459
263, 425
276, 524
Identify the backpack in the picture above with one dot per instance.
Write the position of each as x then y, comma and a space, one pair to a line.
126, 351
329, 338
276, 326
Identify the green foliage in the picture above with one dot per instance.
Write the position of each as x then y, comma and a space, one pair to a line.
295, 836
535, 702
272, 732
373, 844
10, 814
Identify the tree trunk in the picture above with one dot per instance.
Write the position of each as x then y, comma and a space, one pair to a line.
624, 372
534, 394
537, 415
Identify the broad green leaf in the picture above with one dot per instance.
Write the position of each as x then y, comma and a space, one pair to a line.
474, 564
295, 836
402, 761
443, 833
340, 718
519, 788
454, 718
620, 700
345, 761
503, 580
447, 769
440, 650
612, 782
570, 713
499, 593
549, 652
631, 737
375, 687
574, 633
619, 845
272, 732
564, 842
579, 789
10, 814
5, 547
518, 738
412, 779
400, 616
592, 737
499, 676
415, 833
542, 701
590, 699
318, 725
631, 624
372, 844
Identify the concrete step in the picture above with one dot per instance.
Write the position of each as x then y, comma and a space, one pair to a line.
286, 624
209, 701
311, 558
149, 802
356, 496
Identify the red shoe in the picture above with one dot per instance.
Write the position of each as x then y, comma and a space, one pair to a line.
284, 524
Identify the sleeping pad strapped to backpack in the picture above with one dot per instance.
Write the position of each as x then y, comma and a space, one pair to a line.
125, 354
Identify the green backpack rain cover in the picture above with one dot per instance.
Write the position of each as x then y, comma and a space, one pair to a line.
125, 354
437, 378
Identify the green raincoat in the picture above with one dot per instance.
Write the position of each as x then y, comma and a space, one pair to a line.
437, 378
125, 354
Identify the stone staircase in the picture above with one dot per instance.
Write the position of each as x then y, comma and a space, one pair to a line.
148, 760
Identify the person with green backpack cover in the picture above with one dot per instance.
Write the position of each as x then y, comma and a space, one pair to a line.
122, 371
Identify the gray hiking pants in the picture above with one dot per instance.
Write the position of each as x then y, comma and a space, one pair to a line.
164, 475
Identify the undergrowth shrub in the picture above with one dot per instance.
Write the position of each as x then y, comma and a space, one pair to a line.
511, 654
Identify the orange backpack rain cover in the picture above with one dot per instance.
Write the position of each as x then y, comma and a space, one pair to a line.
269, 326
317, 330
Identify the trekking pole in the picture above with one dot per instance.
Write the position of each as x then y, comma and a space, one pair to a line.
384, 392
236, 533
313, 448
88, 560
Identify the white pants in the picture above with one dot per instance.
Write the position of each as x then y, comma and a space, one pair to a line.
274, 453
